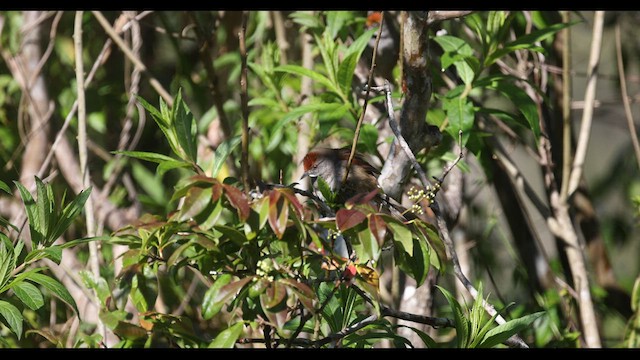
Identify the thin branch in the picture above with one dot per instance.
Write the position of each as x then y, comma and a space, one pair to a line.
244, 102
435, 16
118, 40
366, 102
393, 124
625, 96
47, 52
94, 261
587, 114
281, 35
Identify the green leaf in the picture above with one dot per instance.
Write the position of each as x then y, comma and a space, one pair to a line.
145, 155
68, 215
527, 42
460, 320
5, 187
44, 207
209, 307
502, 332
336, 21
53, 252
227, 338
315, 76
518, 97
56, 288
402, 235
428, 341
28, 294
185, 128
163, 119
37, 235
151, 184
196, 200
99, 285
13, 317
635, 295
421, 257
461, 116
350, 60
7, 262
222, 153
306, 19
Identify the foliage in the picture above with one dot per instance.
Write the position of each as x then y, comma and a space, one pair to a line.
208, 263
21, 279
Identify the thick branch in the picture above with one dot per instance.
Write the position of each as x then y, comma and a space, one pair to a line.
417, 82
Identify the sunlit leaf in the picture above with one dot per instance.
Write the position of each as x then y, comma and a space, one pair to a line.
402, 235
196, 200
55, 288
5, 187
29, 295
502, 332
227, 338
222, 153
527, 41
13, 317
221, 293
460, 320
185, 128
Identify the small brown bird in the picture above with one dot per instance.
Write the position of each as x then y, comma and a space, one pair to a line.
331, 164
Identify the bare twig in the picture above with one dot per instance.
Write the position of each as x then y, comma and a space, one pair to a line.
566, 103
94, 261
306, 92
356, 135
587, 114
244, 100
625, 96
435, 16
281, 35
47, 51
118, 40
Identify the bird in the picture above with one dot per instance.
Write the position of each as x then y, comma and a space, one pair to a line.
330, 164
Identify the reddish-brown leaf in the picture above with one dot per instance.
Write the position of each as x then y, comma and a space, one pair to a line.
275, 295
304, 293
278, 214
230, 290
378, 228
216, 191
362, 198
238, 200
293, 200
348, 218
